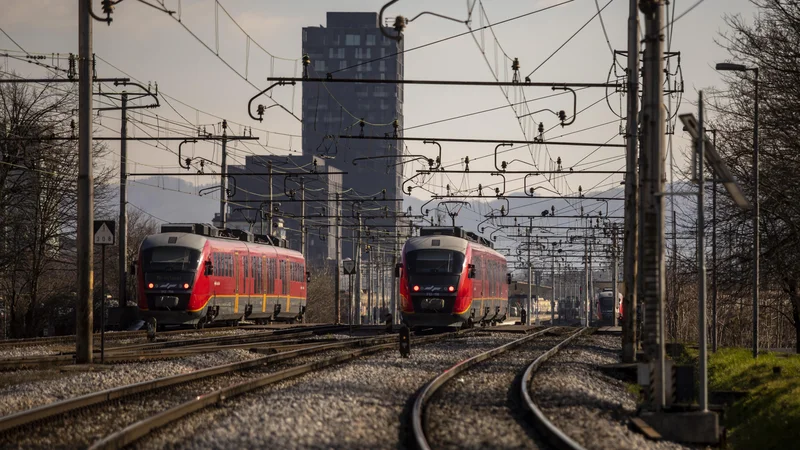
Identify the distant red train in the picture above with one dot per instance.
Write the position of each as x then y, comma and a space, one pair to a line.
449, 277
196, 274
605, 309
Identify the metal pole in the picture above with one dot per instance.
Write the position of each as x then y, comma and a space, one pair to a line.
585, 312
357, 258
337, 264
84, 307
614, 272
652, 170
122, 232
369, 288
553, 288
350, 295
103, 303
675, 276
223, 181
631, 190
591, 280
756, 220
269, 165
393, 298
530, 284
303, 218
701, 264
714, 258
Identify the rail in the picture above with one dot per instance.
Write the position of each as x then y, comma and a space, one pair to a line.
552, 433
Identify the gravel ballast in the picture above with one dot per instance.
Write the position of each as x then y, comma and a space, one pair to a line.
358, 405
52, 385
480, 408
592, 408
79, 429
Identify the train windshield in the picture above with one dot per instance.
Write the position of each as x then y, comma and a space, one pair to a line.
607, 304
171, 259
435, 262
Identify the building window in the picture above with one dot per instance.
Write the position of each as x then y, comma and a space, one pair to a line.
363, 53
370, 39
342, 64
319, 66
341, 53
334, 53
305, 35
382, 66
352, 39
385, 40
335, 40
383, 76
383, 52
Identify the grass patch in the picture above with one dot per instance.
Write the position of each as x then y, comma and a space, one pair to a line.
634, 389
769, 417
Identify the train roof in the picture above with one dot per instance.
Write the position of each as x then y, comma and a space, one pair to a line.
457, 243
197, 235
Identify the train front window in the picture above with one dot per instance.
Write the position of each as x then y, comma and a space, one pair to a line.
435, 262
171, 259
606, 304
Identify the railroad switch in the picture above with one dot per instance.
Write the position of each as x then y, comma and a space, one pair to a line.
405, 341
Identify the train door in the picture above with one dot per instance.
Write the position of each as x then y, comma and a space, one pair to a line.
284, 278
235, 272
271, 276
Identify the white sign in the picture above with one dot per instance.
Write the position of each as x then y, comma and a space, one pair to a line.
104, 232
349, 267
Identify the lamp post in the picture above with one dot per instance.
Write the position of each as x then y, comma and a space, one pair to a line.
756, 204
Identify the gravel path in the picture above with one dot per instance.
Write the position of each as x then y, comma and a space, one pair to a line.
84, 427
589, 406
358, 405
480, 408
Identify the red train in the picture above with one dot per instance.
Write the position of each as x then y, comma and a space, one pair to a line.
196, 274
605, 309
449, 277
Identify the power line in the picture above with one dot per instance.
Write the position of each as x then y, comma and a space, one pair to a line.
511, 19
571, 37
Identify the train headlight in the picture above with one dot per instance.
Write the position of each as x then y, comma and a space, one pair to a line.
151, 286
186, 285
416, 288
451, 289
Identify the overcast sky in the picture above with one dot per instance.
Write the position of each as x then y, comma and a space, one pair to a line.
151, 46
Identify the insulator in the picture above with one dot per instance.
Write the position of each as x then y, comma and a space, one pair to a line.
562, 115
541, 127
515, 65
108, 7
399, 24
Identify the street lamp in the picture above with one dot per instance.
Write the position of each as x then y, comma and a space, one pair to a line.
756, 205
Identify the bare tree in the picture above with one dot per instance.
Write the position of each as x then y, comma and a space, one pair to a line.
38, 200
771, 43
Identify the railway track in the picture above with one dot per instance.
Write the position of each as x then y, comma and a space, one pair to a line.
480, 402
110, 336
557, 438
177, 348
95, 419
